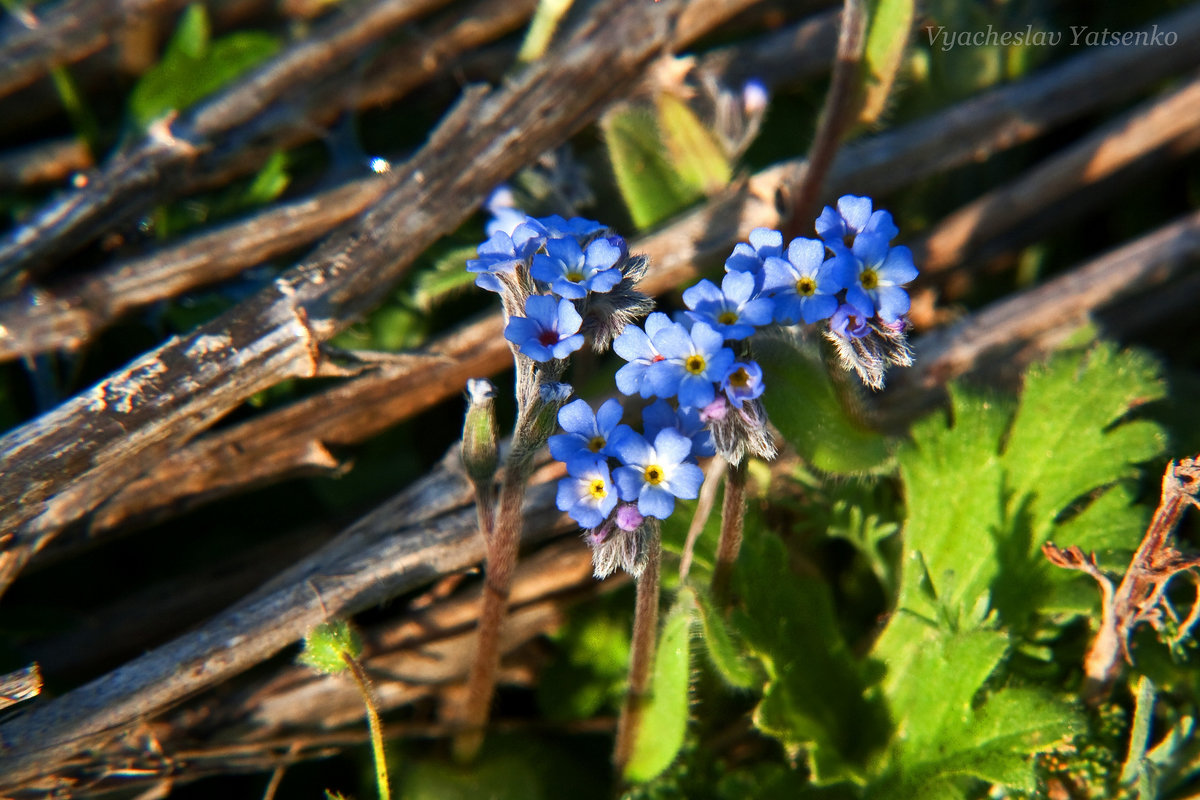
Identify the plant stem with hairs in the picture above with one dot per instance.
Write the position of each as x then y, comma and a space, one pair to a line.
373, 724
641, 658
733, 518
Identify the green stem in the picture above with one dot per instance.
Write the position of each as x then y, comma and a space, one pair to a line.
373, 724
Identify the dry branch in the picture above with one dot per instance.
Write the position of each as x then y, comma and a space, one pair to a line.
67, 316
296, 440
33, 43
424, 533
200, 138
62, 465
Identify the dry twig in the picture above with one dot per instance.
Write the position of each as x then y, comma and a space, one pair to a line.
1140, 597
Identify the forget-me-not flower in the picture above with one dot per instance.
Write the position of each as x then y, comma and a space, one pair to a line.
660, 415
804, 284
840, 229
635, 345
734, 309
573, 272
549, 329
873, 273
587, 493
743, 381
693, 361
655, 474
588, 433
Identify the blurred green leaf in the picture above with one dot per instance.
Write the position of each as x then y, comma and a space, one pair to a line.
696, 155
889, 25
802, 402
665, 714
194, 66
650, 186
447, 277
506, 776
541, 28
724, 653
591, 672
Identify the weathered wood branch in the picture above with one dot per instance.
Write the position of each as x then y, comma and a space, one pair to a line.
33, 43
66, 316
426, 532
136, 177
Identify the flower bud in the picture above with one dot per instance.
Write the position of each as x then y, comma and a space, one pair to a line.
479, 455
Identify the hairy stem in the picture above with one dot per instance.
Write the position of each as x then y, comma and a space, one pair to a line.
641, 657
364, 688
733, 515
502, 547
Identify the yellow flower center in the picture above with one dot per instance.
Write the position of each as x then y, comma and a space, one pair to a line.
575, 276
806, 287
597, 489
740, 379
869, 279
728, 318
596, 444
695, 364
654, 475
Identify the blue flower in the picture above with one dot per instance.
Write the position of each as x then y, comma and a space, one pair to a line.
763, 244
804, 285
587, 493
572, 273
558, 227
549, 329
654, 475
694, 361
587, 433
873, 273
849, 323
502, 205
743, 382
502, 253
659, 416
640, 375
839, 229
733, 309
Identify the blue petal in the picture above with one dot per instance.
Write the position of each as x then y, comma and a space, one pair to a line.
695, 391
602, 254
655, 501
631, 379
855, 210
631, 448
898, 268
818, 307
704, 292
632, 344
830, 224
577, 417
766, 239
673, 341
566, 446
519, 329
671, 446
706, 339
543, 308
488, 281
656, 322
684, 481
893, 303
779, 276
737, 286
568, 318
881, 224
566, 346
545, 268
871, 249
629, 481
806, 255
605, 281
861, 301
609, 416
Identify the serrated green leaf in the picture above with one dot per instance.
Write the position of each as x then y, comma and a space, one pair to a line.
803, 404
665, 714
815, 694
995, 743
888, 27
649, 184
192, 67
696, 155
725, 656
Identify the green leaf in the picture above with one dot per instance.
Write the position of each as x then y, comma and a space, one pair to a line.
447, 277
326, 645
697, 157
194, 67
665, 714
650, 186
995, 743
814, 699
726, 657
541, 28
888, 27
803, 404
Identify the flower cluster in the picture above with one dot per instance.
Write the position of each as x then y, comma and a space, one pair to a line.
564, 280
